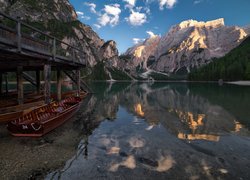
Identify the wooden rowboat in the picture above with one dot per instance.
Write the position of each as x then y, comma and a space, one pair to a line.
14, 112
44, 119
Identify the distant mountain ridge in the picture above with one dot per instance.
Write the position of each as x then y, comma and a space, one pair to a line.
188, 45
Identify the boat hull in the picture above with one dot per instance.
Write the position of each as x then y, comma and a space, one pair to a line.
38, 129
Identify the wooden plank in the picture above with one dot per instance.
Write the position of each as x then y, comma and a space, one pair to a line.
20, 84
78, 81
1, 83
47, 88
59, 85
6, 83
38, 82
19, 36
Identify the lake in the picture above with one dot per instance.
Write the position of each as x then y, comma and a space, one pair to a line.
141, 131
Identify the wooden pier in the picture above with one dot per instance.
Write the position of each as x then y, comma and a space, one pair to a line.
25, 48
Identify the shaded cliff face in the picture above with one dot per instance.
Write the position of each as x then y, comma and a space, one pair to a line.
58, 18
192, 44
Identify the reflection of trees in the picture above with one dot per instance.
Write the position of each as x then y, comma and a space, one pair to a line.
184, 113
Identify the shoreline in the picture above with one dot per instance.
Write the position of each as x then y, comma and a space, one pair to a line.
241, 83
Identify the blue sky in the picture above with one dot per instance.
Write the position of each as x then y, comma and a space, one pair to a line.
129, 21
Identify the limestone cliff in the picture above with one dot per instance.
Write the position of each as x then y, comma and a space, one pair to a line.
189, 45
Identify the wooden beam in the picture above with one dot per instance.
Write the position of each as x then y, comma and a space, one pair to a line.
1, 83
59, 85
19, 35
38, 82
47, 88
6, 83
20, 84
78, 81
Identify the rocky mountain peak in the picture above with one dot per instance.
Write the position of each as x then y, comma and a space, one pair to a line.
193, 23
188, 45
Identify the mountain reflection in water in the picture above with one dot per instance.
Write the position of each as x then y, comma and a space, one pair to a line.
160, 131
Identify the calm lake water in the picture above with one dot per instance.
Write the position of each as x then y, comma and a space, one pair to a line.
142, 131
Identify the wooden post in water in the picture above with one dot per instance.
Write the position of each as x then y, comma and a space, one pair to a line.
20, 84
47, 88
78, 81
59, 85
38, 82
1, 83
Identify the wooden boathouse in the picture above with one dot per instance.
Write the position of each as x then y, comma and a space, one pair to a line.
25, 48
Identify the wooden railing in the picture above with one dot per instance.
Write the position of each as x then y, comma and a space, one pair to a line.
25, 38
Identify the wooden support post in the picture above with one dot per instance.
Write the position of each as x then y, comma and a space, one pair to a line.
19, 36
54, 49
20, 84
47, 75
1, 83
38, 82
59, 85
78, 81
6, 83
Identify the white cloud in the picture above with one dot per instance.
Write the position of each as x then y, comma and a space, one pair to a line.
168, 3
136, 18
137, 40
130, 3
92, 7
110, 16
97, 26
151, 34
198, 2
113, 9
81, 15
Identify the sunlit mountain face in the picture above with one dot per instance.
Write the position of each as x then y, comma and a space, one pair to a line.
130, 22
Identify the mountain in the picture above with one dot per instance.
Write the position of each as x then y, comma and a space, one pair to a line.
188, 45
233, 66
58, 18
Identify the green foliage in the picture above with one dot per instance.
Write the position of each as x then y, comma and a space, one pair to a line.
158, 76
61, 29
98, 73
234, 66
125, 58
118, 75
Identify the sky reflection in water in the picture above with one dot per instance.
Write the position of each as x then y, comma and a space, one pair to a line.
161, 131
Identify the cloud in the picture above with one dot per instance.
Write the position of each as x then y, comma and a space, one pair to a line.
137, 40
113, 9
151, 34
97, 26
81, 15
130, 3
110, 16
168, 3
198, 2
136, 18
92, 7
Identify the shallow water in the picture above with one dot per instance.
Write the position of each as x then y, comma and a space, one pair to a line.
142, 131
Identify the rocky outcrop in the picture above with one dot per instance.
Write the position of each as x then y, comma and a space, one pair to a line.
109, 53
58, 18
189, 45
141, 52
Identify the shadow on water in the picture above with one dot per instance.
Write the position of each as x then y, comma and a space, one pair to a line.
147, 130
